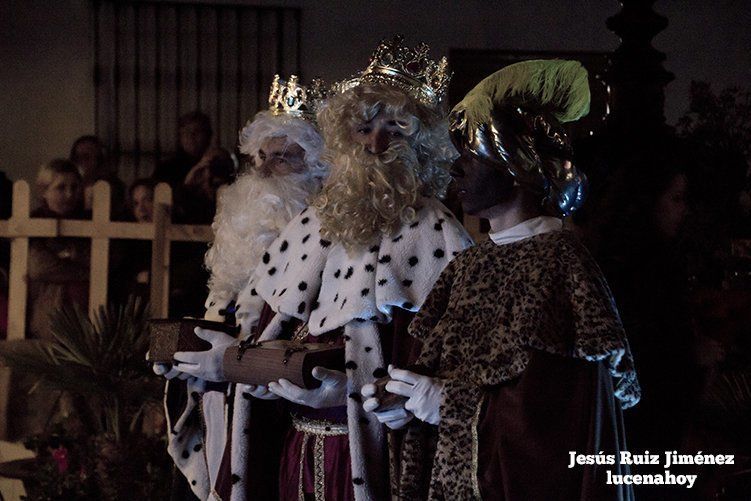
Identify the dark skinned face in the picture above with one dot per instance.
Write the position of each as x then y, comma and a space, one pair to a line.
480, 185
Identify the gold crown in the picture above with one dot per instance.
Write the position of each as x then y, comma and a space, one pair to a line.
410, 70
288, 97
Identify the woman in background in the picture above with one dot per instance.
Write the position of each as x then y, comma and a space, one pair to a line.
58, 267
58, 274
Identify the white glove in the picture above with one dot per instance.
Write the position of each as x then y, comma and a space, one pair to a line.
331, 393
261, 391
206, 365
393, 418
425, 394
167, 370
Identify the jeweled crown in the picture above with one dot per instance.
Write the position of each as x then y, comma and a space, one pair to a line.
410, 70
288, 97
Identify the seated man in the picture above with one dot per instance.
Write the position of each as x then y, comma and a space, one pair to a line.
523, 354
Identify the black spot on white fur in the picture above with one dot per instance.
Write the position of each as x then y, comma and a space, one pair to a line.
413, 261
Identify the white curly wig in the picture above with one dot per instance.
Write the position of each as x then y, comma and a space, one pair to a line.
296, 130
253, 210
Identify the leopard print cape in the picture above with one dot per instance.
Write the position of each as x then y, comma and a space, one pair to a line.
488, 308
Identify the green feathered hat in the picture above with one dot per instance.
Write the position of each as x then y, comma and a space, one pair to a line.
512, 119
557, 86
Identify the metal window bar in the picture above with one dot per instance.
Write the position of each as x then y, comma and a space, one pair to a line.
155, 61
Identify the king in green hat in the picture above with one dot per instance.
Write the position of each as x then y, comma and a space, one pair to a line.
524, 357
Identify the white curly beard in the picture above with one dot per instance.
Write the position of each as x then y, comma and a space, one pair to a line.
251, 213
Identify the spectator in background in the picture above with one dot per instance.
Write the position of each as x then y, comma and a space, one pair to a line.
195, 203
58, 267
194, 138
131, 272
141, 201
89, 154
6, 195
195, 199
6, 199
58, 274
638, 230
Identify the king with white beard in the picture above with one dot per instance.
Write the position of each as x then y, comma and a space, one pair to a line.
285, 169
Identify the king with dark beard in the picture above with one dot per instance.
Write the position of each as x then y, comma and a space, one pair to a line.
353, 267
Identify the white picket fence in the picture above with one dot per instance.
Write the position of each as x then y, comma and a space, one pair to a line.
100, 229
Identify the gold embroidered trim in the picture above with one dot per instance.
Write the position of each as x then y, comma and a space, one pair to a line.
300, 486
318, 467
318, 429
475, 451
301, 332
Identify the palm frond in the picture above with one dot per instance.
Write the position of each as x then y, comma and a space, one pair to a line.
99, 358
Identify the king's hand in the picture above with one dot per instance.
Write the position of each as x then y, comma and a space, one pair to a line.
331, 393
206, 365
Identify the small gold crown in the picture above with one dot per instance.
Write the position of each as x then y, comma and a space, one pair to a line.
288, 97
410, 70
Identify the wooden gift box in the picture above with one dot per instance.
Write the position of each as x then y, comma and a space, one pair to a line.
272, 360
167, 336
386, 400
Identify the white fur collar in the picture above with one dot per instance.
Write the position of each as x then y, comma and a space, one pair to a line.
317, 281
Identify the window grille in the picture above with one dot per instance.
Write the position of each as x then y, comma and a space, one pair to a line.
156, 60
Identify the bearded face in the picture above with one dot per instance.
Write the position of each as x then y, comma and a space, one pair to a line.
386, 153
255, 208
277, 156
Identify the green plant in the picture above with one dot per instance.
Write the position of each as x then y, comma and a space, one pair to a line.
99, 362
